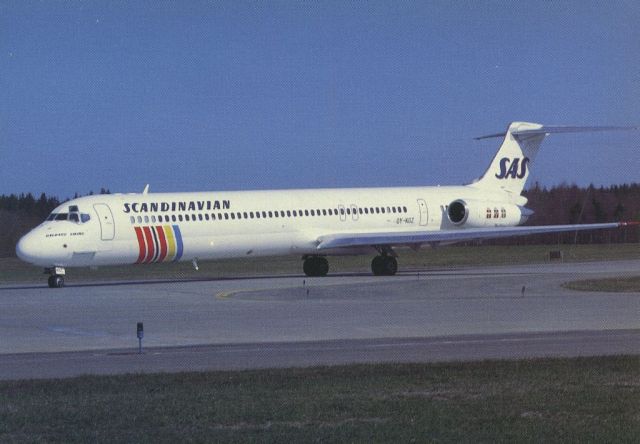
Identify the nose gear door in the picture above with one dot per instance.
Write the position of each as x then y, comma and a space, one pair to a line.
107, 225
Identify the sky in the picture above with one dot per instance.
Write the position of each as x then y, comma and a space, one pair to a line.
239, 95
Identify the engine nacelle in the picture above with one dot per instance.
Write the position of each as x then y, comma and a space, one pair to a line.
476, 214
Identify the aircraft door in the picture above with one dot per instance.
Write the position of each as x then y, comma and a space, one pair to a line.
343, 212
107, 225
424, 212
354, 212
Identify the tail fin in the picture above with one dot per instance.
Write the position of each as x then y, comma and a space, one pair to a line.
509, 168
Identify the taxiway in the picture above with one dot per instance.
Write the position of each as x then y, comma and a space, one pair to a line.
420, 315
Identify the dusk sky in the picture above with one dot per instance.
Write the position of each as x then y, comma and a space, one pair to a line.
199, 95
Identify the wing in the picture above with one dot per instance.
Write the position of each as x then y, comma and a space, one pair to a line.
343, 240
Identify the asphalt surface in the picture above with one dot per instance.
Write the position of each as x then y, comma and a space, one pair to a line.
426, 316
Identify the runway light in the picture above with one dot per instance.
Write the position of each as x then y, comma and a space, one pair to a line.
140, 334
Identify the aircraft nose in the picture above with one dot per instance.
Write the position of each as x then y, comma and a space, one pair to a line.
27, 248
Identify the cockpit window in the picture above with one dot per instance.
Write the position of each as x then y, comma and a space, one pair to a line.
74, 216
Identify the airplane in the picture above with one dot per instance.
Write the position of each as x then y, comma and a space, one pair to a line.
143, 228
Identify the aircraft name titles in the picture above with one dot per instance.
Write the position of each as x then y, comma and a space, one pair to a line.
197, 205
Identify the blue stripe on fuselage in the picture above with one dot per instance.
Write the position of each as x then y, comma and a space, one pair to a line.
179, 245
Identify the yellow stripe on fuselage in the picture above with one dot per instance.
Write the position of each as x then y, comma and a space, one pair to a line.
171, 242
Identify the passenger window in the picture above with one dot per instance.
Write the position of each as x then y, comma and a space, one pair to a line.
153, 219
382, 210
173, 217
264, 214
206, 216
405, 209
199, 216
132, 219
271, 214
245, 215
258, 214
306, 212
139, 219
226, 216
180, 217
233, 216
186, 217
288, 213
324, 212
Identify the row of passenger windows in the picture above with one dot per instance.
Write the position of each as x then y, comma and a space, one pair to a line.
267, 214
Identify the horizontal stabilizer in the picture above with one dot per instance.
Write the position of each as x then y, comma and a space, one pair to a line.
548, 129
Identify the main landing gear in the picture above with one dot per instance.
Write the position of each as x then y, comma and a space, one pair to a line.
315, 266
56, 280
384, 265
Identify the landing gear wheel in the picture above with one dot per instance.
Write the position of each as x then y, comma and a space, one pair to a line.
56, 281
384, 266
315, 266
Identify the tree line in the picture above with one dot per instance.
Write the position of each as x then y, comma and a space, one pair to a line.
563, 204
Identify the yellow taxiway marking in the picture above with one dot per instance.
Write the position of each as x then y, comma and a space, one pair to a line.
229, 293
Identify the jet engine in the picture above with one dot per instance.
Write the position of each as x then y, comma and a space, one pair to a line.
477, 214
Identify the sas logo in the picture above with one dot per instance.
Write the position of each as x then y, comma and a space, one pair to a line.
513, 168
159, 244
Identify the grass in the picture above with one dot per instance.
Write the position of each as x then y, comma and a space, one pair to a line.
14, 271
573, 400
617, 285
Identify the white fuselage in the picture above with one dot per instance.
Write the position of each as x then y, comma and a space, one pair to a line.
163, 227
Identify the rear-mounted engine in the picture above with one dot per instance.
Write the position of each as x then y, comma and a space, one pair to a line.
476, 214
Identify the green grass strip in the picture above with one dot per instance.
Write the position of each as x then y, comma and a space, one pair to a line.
546, 400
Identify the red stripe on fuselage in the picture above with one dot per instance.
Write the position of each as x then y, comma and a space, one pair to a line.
163, 243
150, 250
141, 245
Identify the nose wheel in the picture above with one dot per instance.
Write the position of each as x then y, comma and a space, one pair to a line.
56, 281
384, 266
56, 278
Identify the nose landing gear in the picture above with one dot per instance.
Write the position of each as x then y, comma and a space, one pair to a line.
56, 280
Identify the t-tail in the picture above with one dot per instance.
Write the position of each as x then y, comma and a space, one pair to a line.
509, 169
